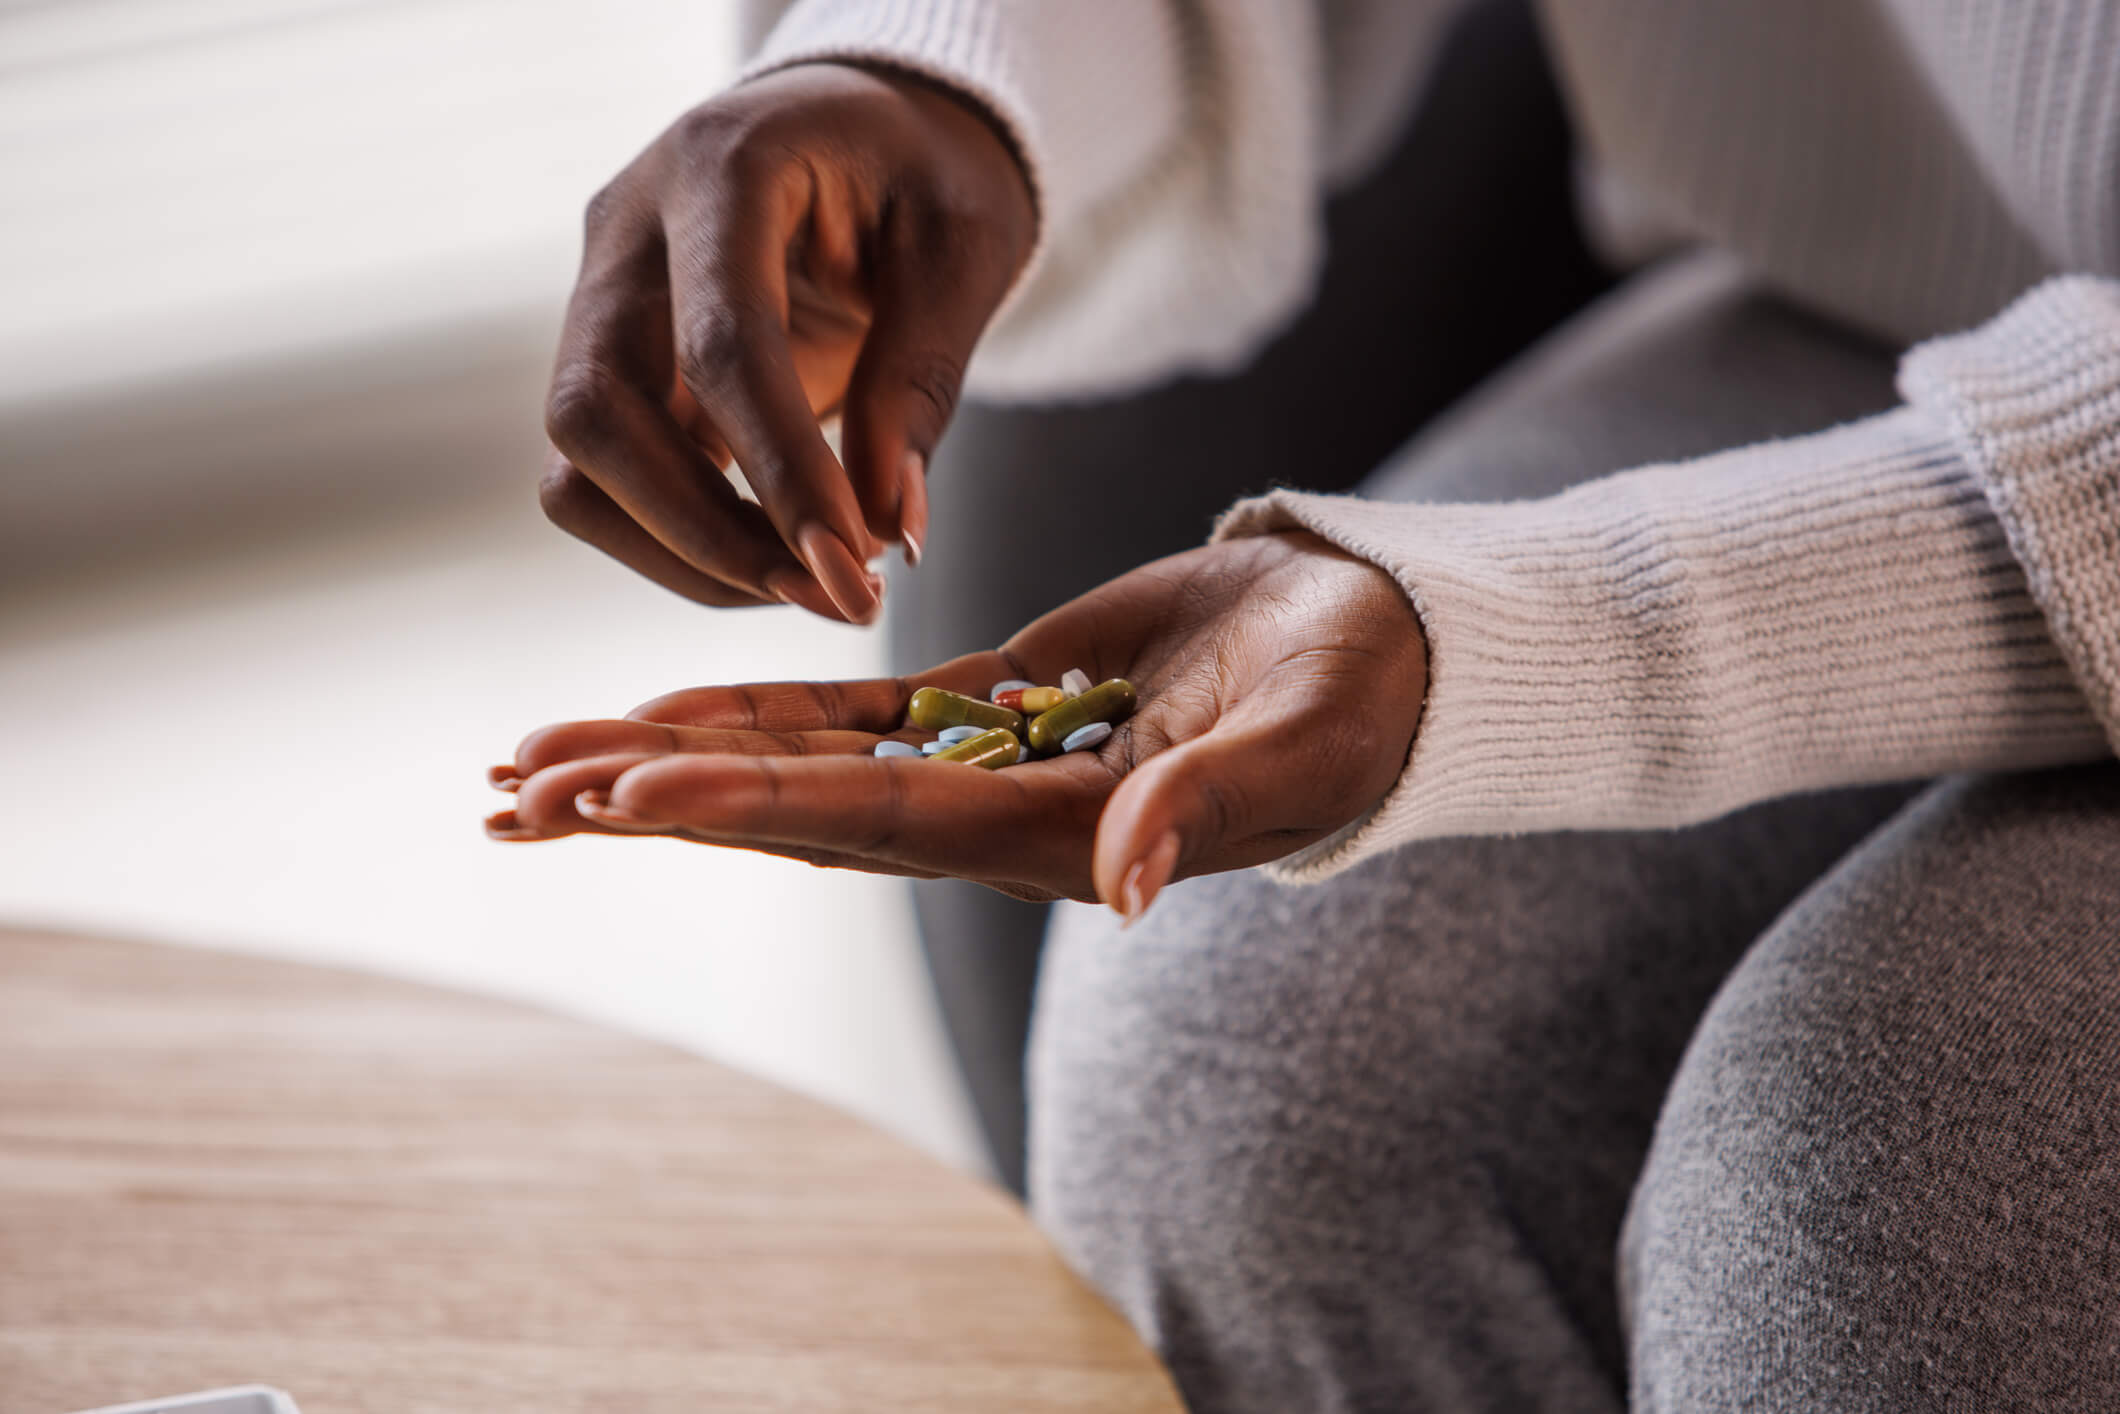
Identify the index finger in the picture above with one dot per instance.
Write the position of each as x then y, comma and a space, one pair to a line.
606, 414
728, 255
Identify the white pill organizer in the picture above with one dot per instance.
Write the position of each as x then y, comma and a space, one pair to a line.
244, 1399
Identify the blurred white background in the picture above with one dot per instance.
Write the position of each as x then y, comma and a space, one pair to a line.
279, 282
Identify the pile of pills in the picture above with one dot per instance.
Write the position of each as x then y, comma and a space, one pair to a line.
1019, 721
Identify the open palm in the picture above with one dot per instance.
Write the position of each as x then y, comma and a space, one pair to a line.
1280, 684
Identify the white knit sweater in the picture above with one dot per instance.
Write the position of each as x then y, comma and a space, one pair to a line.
1930, 590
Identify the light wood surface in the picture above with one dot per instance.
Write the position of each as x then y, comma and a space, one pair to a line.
216, 1169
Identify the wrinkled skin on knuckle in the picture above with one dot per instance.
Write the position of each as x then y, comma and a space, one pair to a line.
563, 493
578, 406
765, 167
607, 207
715, 130
738, 151
936, 379
711, 349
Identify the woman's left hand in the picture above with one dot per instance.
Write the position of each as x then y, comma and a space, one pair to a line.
1280, 684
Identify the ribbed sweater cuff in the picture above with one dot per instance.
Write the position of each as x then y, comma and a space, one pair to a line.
1046, 73
1664, 645
2032, 403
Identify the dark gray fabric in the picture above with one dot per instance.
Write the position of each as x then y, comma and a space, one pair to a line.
1453, 256
1366, 1146
1888, 1173
1369, 1144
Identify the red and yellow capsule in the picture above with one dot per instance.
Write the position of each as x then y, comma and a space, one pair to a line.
1030, 701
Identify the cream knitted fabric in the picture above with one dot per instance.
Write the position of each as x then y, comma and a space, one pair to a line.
1664, 645
2032, 402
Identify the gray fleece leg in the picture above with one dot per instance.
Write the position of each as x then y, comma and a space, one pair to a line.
1888, 1174
1367, 1145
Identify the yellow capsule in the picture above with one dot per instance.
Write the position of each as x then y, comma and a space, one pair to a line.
1109, 701
937, 709
993, 750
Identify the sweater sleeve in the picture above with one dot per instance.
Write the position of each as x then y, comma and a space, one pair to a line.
1179, 154
1934, 589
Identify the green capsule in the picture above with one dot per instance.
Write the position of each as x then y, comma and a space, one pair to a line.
993, 750
937, 709
1109, 701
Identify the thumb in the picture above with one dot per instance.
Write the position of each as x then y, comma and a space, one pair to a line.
904, 388
1252, 789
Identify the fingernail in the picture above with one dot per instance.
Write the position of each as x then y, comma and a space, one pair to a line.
1128, 905
1145, 878
913, 506
502, 826
839, 570
502, 777
597, 806
794, 587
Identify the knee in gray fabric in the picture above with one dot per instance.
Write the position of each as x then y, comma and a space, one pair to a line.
1738, 1284
1207, 1090
1389, 1123
1883, 1178
1276, 1163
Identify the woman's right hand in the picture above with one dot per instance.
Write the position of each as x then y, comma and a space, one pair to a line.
822, 239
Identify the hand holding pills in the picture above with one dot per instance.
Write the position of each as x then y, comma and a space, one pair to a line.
1277, 684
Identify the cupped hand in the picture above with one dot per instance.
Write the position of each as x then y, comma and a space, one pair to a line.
823, 239
1280, 685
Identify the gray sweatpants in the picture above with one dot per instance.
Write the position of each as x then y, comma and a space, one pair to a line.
1813, 1107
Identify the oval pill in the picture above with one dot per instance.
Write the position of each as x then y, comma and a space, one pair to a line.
1109, 701
1086, 737
936, 708
993, 750
993, 693
952, 735
888, 747
1074, 682
933, 748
